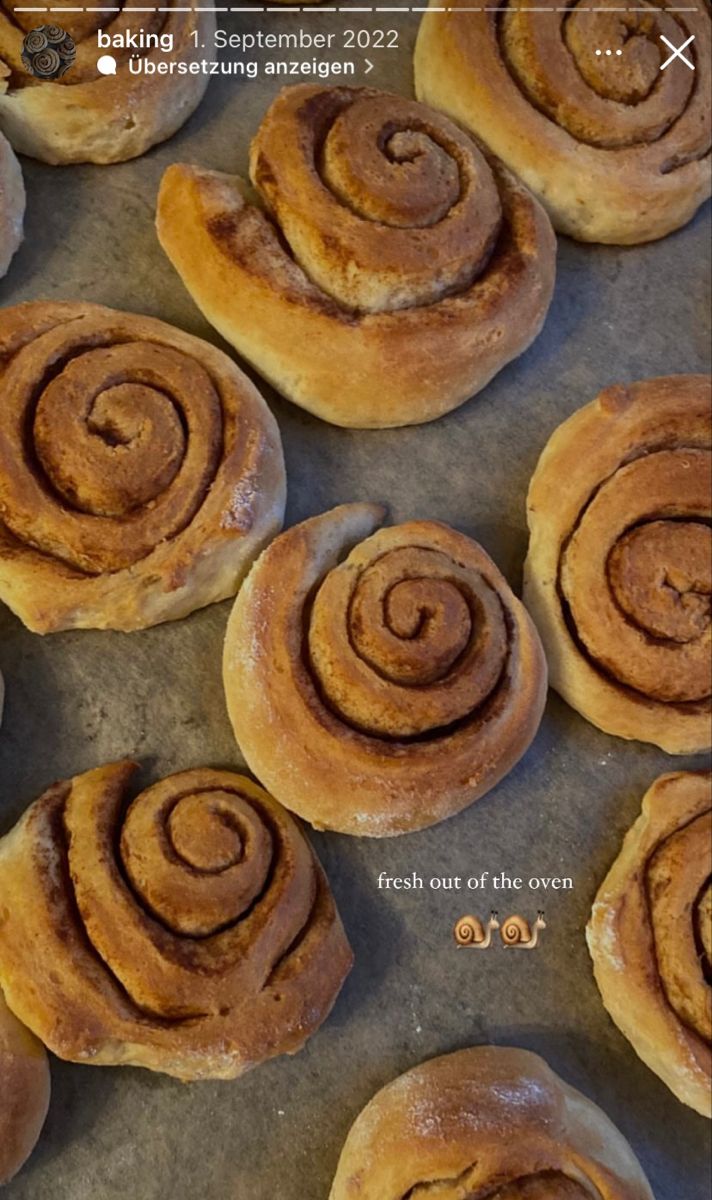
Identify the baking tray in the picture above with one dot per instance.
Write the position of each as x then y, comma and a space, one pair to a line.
75, 700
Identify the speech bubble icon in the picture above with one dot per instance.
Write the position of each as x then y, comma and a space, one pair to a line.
106, 65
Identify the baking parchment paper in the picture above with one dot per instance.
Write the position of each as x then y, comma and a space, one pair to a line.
79, 699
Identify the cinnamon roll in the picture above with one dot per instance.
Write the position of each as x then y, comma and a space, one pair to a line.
616, 148
378, 682
382, 271
193, 933
650, 936
491, 1122
24, 1091
82, 115
140, 470
618, 575
12, 204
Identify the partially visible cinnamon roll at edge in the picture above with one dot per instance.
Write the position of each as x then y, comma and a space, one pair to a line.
84, 116
493, 1122
192, 932
615, 147
650, 936
619, 571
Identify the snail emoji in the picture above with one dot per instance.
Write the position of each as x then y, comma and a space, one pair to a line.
516, 932
469, 931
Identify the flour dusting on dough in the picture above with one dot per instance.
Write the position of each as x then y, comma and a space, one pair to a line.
240, 513
606, 920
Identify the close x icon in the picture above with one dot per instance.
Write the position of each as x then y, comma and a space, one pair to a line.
677, 52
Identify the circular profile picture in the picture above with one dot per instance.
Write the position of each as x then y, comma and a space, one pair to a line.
48, 52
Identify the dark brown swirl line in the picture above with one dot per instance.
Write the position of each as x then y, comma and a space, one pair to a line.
541, 1185
703, 929
610, 101
126, 434
187, 936
679, 886
618, 573
394, 669
636, 575
138, 469
361, 173
576, 100
409, 644
382, 228
650, 934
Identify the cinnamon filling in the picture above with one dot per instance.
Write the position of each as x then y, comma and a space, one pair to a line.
612, 101
407, 645
636, 576
679, 888
544, 1185
109, 443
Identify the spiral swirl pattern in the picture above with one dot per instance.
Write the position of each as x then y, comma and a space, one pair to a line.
513, 931
410, 204
193, 934
82, 27
91, 117
468, 931
35, 41
650, 936
582, 130
48, 52
55, 34
384, 223
618, 575
139, 470
47, 63
490, 1122
399, 684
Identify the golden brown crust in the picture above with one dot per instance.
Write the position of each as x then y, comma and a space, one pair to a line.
378, 686
412, 260
194, 933
649, 936
12, 204
24, 1091
584, 133
140, 470
491, 1123
89, 117
618, 572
